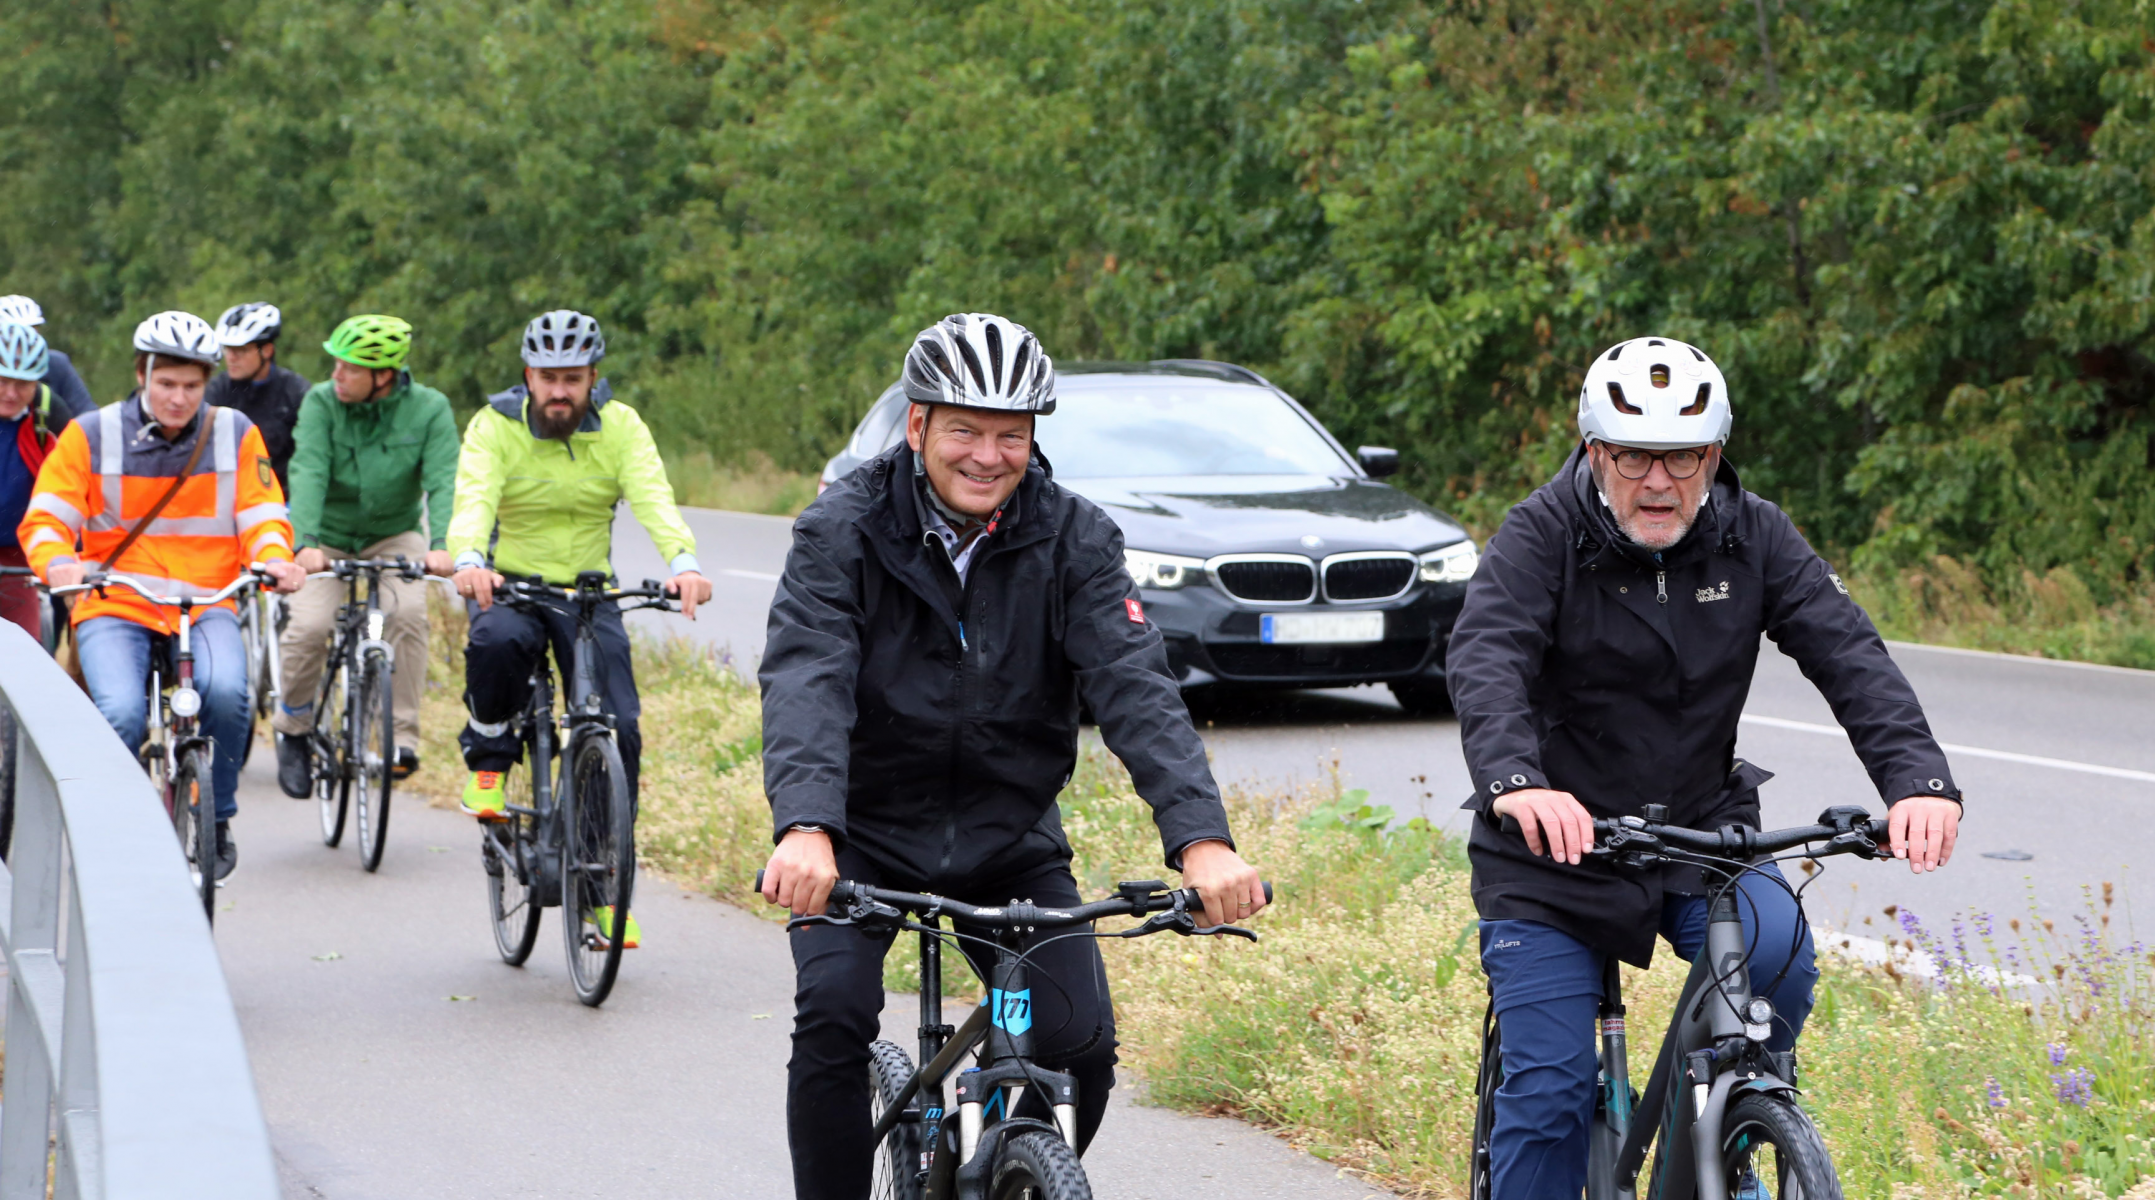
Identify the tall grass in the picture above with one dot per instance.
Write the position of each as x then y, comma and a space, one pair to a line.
2019, 1063
2052, 615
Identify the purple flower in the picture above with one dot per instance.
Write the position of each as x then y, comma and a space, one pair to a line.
1993, 1094
2057, 1054
2075, 1087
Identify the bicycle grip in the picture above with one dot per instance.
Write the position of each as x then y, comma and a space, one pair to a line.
759, 881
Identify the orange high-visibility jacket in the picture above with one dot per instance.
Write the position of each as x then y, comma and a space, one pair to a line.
109, 468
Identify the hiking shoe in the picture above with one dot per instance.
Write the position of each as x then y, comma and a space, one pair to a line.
603, 917
483, 798
228, 854
407, 762
295, 765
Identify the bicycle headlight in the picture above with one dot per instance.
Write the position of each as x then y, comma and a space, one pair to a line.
1758, 1018
186, 702
1164, 571
1451, 564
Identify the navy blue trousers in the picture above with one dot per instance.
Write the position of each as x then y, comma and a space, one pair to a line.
1546, 986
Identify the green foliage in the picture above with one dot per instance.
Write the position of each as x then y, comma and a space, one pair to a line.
1917, 235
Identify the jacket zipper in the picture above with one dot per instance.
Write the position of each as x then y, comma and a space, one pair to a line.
965, 599
1661, 587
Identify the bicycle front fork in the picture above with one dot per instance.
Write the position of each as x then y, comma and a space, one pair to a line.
1614, 1105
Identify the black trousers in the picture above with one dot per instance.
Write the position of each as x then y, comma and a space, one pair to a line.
838, 999
507, 643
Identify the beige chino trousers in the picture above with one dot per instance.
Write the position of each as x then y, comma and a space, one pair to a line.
305, 645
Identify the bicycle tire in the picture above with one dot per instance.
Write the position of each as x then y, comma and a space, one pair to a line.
250, 640
195, 810
1487, 1080
1801, 1167
332, 784
375, 753
1037, 1166
897, 1160
598, 863
8, 751
512, 896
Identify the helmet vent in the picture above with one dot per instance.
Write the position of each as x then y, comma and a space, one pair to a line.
1695, 353
1706, 392
1616, 397
1656, 342
1619, 349
972, 363
995, 355
1659, 374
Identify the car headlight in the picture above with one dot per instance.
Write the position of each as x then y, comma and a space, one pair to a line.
1167, 571
1451, 564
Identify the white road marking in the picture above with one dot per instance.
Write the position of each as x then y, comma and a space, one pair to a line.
2031, 760
749, 575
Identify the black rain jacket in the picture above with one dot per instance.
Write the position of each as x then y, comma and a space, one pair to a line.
1582, 663
931, 724
273, 406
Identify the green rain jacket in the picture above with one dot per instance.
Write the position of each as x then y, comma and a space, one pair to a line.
552, 501
359, 470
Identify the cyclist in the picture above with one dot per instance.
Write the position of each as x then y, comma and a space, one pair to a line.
1600, 664
544, 464
29, 419
941, 614
370, 445
254, 383
67, 386
196, 503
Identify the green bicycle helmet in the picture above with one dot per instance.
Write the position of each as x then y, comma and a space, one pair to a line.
372, 340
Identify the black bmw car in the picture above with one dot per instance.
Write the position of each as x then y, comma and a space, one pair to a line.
1268, 555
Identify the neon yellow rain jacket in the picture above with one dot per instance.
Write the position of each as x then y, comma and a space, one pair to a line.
552, 500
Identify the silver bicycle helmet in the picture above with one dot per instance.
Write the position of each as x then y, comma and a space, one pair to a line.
246, 324
178, 335
563, 338
22, 352
979, 360
22, 310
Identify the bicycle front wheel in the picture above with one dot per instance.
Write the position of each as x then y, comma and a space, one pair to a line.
374, 753
332, 781
1767, 1135
1038, 1166
195, 812
897, 1160
511, 895
598, 865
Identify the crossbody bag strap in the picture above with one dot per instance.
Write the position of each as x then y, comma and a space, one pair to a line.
202, 440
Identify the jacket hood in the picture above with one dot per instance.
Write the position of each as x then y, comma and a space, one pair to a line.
1715, 531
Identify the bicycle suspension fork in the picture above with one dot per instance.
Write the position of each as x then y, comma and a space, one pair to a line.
934, 1035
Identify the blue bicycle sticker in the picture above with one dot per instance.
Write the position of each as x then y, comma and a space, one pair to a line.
1012, 1012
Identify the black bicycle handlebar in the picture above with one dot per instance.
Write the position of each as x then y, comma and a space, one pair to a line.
400, 565
1134, 899
1844, 829
529, 591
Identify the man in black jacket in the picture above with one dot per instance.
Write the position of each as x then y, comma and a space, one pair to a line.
941, 612
1599, 665
254, 384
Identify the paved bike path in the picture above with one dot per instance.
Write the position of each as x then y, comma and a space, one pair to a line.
379, 1086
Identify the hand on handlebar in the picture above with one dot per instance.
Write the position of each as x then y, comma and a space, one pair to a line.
1554, 822
438, 562
801, 872
1924, 829
478, 583
1231, 888
692, 588
62, 575
289, 576
311, 560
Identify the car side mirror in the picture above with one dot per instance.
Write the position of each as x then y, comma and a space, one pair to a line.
1378, 461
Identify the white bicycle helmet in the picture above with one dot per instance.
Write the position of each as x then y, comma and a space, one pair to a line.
979, 360
178, 335
22, 310
246, 324
563, 338
1654, 393
22, 352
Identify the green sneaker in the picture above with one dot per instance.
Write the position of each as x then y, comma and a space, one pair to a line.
603, 917
483, 798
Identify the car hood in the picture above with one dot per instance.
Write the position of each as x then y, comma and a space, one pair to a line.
1201, 516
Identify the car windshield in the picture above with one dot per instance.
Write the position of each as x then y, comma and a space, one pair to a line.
1182, 428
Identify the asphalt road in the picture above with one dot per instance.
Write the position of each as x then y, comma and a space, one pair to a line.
2055, 758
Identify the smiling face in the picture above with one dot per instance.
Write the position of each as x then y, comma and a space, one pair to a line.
559, 397
974, 457
1656, 511
173, 391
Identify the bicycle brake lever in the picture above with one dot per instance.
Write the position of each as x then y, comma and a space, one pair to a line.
1160, 922
794, 923
1221, 931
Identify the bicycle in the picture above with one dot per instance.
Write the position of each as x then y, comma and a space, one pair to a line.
353, 738
7, 715
1743, 1098
260, 623
992, 1154
573, 845
175, 753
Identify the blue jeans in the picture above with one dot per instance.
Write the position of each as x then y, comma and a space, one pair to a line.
1546, 986
115, 656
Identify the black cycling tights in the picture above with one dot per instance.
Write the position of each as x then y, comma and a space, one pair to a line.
838, 998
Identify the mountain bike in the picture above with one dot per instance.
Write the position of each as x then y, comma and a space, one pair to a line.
571, 842
7, 715
991, 1154
353, 739
1725, 1110
175, 753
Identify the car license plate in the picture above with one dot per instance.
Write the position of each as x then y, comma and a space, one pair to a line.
1280, 629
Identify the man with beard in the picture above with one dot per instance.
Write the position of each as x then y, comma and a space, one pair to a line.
543, 465
1599, 666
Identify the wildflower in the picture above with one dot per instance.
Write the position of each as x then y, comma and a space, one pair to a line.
2058, 1052
1993, 1094
2075, 1087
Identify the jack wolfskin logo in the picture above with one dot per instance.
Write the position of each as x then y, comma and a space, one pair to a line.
1720, 593
1837, 584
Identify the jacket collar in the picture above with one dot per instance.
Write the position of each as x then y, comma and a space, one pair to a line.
1598, 535
148, 434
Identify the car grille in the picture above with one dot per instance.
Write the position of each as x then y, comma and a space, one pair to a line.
1254, 660
1266, 580
1368, 578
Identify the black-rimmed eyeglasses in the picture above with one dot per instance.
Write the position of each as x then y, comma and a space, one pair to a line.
1638, 464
